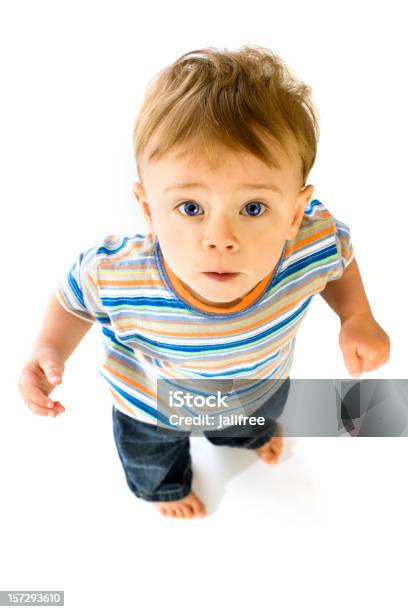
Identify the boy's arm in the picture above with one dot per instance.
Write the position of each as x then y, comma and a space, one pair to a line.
60, 331
364, 344
346, 295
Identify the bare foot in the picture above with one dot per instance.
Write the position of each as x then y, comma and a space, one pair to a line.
187, 507
271, 450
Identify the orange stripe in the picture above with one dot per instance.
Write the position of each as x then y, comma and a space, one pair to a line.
128, 283
130, 266
131, 382
301, 243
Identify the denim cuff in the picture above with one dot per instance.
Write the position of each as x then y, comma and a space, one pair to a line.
168, 493
165, 496
257, 441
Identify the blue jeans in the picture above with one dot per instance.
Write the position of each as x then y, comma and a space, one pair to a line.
157, 461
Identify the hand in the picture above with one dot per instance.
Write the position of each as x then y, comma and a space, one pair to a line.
364, 344
38, 378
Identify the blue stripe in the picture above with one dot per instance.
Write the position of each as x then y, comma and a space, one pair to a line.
108, 251
306, 261
75, 288
144, 301
135, 402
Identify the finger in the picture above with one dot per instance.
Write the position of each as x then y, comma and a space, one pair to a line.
36, 396
352, 362
368, 359
41, 410
59, 407
355, 373
53, 371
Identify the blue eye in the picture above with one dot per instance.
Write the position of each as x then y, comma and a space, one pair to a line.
190, 208
253, 207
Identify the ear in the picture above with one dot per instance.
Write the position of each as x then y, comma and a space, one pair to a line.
303, 199
140, 195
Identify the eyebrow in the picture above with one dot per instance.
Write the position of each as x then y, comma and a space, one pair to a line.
267, 186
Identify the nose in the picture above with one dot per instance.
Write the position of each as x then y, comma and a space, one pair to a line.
220, 236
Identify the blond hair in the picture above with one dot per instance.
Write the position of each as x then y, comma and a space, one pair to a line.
228, 97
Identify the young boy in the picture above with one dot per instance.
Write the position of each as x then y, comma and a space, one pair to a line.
236, 250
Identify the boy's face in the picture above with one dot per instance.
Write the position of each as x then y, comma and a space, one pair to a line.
224, 224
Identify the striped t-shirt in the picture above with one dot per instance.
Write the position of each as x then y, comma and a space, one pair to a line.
153, 328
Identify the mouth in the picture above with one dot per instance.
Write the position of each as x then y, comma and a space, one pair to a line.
221, 276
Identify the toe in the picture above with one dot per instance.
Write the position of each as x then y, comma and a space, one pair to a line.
199, 509
272, 457
185, 512
188, 512
181, 512
268, 455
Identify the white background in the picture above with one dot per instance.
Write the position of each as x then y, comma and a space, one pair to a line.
326, 527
